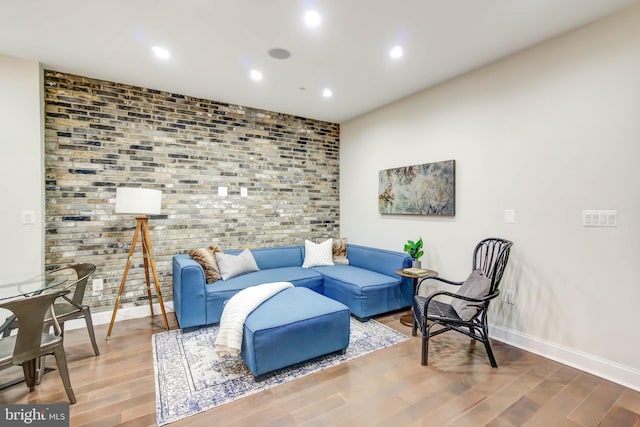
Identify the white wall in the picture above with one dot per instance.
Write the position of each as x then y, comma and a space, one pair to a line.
548, 132
21, 171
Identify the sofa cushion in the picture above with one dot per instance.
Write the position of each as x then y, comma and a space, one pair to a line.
339, 250
218, 294
206, 258
357, 276
282, 256
235, 265
365, 292
297, 275
317, 254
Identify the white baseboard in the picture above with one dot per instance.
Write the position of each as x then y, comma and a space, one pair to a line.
125, 313
623, 375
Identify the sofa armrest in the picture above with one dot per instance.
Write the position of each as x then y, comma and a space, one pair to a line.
189, 291
385, 262
380, 260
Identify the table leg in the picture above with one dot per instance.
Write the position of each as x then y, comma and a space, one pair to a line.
407, 319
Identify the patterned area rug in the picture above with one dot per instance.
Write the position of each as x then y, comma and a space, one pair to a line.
190, 379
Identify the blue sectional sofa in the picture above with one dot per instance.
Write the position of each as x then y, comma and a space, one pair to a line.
368, 286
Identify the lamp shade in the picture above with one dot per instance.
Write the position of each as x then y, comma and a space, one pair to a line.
141, 201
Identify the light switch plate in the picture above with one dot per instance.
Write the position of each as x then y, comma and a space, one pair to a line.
28, 217
599, 218
243, 192
97, 285
222, 191
509, 216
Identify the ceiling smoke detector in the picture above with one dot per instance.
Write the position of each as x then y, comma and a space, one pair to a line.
279, 53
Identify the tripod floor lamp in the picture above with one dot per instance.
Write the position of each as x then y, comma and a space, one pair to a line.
142, 202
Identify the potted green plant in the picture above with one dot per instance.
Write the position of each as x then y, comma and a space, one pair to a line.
414, 250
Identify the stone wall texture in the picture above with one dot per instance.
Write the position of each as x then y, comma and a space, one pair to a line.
101, 135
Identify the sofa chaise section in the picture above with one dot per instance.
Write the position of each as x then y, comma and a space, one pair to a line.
368, 285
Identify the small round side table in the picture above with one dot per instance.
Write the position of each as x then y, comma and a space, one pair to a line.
407, 319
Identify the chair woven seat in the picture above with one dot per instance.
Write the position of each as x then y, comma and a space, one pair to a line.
437, 309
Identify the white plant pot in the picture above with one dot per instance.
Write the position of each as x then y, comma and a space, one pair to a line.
416, 264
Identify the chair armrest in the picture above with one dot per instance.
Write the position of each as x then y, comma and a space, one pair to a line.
463, 297
56, 325
70, 301
439, 279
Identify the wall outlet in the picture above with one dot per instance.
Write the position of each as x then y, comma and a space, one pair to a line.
510, 296
222, 191
98, 285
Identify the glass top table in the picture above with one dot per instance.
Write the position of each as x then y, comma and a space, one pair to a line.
31, 286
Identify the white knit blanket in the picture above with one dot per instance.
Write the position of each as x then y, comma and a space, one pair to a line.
229, 339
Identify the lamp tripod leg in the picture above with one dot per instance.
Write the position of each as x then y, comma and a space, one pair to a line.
146, 239
159, 293
145, 257
124, 276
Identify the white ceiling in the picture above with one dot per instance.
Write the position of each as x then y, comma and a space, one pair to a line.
214, 44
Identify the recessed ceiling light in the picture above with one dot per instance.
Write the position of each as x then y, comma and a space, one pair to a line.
327, 93
312, 18
396, 52
255, 75
161, 52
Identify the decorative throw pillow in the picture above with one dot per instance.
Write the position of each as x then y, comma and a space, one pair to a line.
476, 286
318, 254
207, 259
235, 265
339, 250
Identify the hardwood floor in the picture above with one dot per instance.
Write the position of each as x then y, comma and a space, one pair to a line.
384, 388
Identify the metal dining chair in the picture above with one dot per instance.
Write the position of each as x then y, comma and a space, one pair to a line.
71, 308
30, 343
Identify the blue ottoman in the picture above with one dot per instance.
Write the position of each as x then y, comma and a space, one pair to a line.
294, 325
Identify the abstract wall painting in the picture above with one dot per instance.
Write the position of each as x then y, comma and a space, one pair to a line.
427, 189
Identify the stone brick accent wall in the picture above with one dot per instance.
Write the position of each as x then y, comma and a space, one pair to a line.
100, 135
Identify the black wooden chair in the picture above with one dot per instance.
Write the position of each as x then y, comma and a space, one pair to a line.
467, 311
